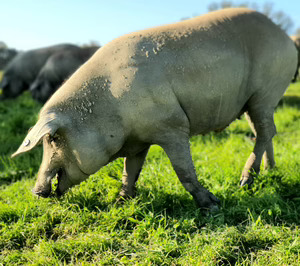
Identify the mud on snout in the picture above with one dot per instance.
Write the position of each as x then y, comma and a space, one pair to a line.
51, 185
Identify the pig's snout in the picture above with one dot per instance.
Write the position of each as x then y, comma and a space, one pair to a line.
42, 193
43, 186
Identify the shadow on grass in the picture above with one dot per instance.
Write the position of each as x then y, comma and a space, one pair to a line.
290, 100
91, 202
162, 206
245, 249
274, 200
271, 199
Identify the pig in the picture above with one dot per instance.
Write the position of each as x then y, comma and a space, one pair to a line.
162, 86
6, 55
24, 67
58, 68
296, 40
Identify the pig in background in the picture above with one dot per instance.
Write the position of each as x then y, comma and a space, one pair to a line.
57, 69
22, 70
6, 55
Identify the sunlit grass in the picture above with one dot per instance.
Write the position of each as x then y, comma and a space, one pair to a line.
162, 225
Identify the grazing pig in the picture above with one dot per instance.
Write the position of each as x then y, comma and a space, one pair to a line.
162, 86
296, 40
58, 68
24, 67
6, 55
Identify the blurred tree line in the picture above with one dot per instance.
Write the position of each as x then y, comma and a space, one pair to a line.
91, 43
277, 16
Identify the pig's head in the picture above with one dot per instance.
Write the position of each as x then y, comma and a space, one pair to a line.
58, 159
72, 150
11, 86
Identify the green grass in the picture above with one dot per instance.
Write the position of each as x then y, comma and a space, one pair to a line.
162, 225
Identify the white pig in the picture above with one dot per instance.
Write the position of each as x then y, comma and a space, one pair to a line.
162, 86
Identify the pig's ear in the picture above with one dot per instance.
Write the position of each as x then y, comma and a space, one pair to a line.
45, 125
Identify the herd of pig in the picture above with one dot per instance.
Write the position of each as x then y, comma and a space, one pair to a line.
42, 70
159, 86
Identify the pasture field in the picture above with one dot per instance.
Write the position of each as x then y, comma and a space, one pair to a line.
162, 225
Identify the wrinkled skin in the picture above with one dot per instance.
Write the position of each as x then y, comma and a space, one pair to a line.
162, 86
296, 40
24, 67
57, 69
54, 148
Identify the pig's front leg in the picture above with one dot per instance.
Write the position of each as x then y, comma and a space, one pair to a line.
132, 168
178, 150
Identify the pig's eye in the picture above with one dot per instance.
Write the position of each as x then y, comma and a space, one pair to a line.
54, 139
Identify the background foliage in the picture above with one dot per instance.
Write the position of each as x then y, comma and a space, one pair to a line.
279, 17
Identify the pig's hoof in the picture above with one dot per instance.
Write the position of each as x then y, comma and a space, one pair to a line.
125, 195
120, 200
246, 180
207, 201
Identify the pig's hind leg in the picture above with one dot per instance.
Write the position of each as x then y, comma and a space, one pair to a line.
268, 156
263, 126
